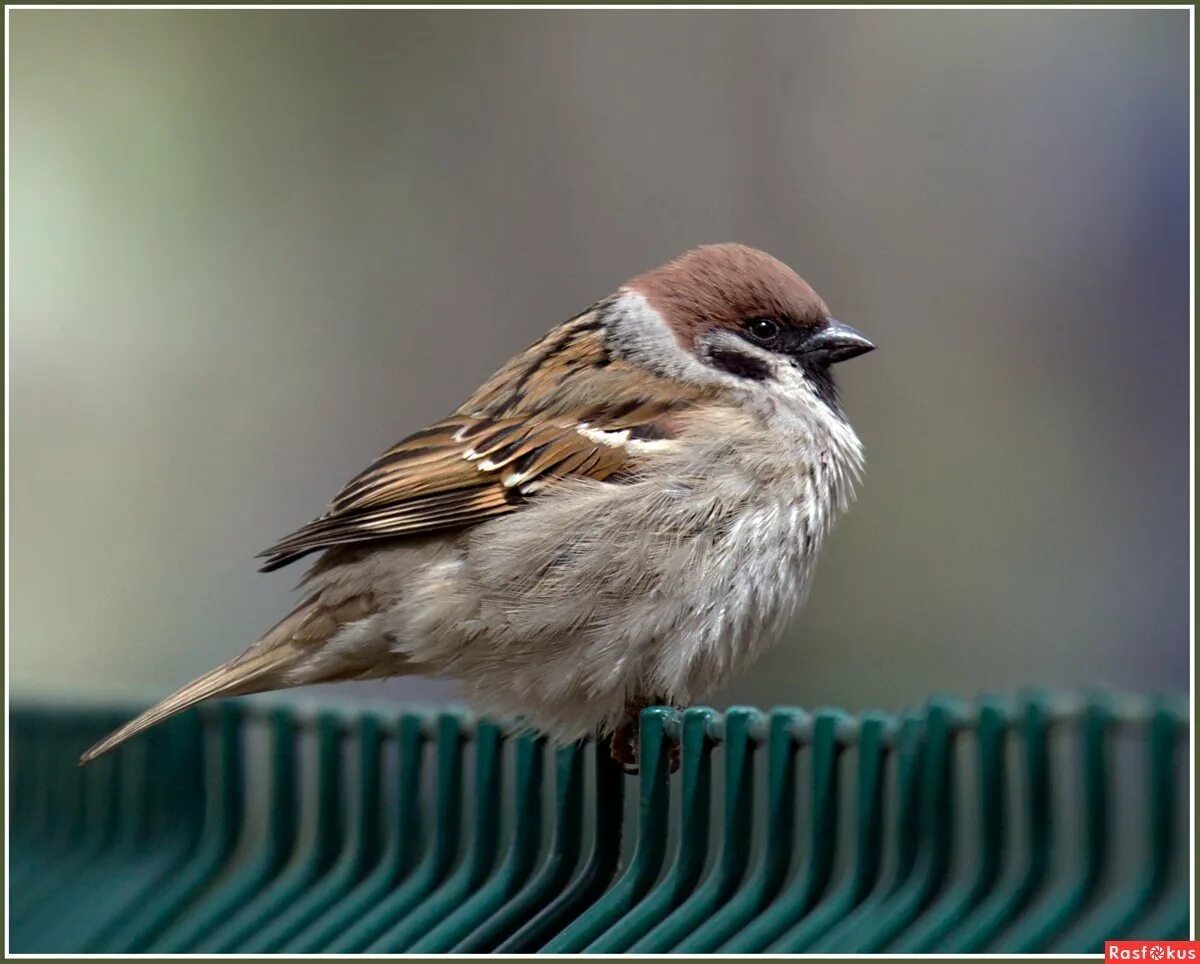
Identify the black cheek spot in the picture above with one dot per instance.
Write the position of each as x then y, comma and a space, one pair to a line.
735, 363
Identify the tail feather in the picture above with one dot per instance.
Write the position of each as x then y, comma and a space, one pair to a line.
252, 672
291, 644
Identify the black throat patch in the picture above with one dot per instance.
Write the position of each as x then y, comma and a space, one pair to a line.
821, 379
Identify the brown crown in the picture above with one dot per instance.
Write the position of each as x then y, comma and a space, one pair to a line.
724, 285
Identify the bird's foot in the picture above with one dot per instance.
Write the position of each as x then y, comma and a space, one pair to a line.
623, 745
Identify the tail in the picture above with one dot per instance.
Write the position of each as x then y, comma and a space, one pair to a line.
287, 655
262, 667
254, 671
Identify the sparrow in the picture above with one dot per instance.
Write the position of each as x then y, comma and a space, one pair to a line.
624, 515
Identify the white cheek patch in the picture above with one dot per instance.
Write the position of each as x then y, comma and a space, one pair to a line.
639, 333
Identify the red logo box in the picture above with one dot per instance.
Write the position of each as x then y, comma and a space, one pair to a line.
1152, 950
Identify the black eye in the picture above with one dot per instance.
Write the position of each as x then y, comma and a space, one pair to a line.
763, 329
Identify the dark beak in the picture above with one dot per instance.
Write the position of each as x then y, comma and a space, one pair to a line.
836, 343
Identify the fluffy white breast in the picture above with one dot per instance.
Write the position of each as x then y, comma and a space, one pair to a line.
789, 480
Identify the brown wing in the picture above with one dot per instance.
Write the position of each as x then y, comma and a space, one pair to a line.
465, 470
562, 408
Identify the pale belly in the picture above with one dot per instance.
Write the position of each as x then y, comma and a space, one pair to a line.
584, 607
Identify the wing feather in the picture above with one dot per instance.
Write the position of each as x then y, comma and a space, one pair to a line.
523, 430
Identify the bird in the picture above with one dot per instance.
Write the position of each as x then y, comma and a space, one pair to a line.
625, 514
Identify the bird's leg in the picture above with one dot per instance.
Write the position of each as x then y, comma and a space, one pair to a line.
623, 745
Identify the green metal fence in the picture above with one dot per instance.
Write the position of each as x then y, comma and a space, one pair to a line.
1037, 824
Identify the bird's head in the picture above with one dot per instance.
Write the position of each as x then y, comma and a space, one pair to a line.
747, 318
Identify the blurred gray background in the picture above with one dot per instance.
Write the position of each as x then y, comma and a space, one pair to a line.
252, 249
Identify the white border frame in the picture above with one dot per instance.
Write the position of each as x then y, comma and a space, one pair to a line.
672, 7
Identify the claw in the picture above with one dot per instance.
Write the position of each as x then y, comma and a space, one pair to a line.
624, 745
